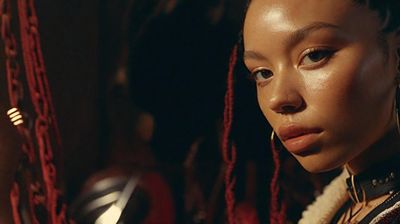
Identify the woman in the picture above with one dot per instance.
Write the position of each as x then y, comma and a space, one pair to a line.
327, 74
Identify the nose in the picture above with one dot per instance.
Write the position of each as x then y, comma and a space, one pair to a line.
285, 96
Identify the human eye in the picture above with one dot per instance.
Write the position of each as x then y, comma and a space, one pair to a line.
261, 74
315, 56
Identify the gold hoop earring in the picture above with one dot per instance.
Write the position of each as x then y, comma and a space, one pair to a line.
272, 138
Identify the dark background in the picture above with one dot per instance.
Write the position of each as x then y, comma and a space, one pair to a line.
84, 43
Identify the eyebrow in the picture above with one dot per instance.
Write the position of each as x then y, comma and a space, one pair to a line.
294, 38
300, 34
253, 55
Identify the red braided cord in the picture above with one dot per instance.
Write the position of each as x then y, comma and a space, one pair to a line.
14, 196
15, 91
228, 148
29, 69
278, 209
282, 213
41, 99
40, 68
228, 111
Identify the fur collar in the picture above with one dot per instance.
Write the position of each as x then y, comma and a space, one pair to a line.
322, 210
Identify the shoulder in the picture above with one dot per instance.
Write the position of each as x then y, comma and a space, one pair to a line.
328, 203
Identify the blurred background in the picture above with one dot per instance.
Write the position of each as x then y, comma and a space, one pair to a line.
138, 87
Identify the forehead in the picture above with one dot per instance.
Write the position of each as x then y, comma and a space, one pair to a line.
299, 7
288, 15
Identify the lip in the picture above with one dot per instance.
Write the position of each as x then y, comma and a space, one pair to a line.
298, 139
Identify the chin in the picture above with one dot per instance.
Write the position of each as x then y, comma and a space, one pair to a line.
314, 164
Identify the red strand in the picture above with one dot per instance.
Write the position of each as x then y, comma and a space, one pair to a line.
278, 209
228, 148
41, 189
41, 100
15, 90
14, 197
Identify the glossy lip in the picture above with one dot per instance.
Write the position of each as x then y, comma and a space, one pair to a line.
298, 139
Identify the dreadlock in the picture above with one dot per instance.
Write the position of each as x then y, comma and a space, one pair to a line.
388, 13
229, 148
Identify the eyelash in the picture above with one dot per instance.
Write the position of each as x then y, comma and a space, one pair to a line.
253, 74
327, 54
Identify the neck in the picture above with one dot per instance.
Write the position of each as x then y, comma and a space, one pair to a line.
385, 148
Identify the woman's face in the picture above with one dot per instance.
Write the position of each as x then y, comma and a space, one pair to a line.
325, 78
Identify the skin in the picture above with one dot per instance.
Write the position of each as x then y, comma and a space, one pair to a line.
334, 76
347, 92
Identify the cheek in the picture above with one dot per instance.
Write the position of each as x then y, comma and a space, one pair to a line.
262, 98
353, 95
350, 95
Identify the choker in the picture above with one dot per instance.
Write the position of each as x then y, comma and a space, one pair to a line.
374, 182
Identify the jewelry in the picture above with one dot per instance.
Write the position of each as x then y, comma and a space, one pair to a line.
351, 215
15, 116
375, 182
272, 138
